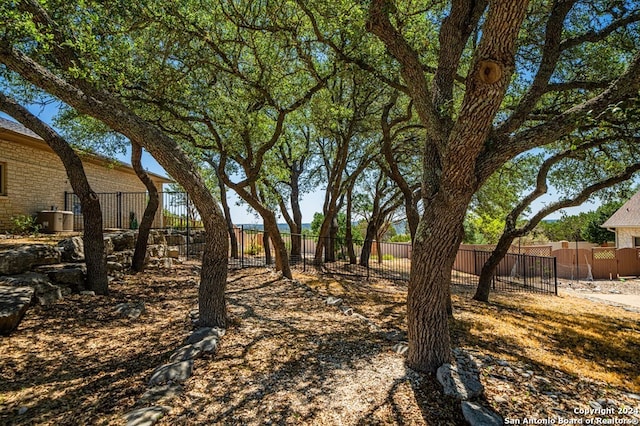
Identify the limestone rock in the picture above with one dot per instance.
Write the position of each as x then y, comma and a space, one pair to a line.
14, 302
156, 250
175, 240
108, 245
72, 276
400, 348
123, 241
132, 310
333, 301
161, 393
156, 237
147, 416
460, 383
173, 252
22, 259
203, 333
174, 372
477, 415
72, 249
208, 345
45, 292
114, 267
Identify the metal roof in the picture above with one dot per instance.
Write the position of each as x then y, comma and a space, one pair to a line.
627, 215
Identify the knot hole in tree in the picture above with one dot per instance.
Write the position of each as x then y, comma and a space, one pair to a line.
490, 71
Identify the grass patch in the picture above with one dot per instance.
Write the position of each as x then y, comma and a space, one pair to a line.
576, 336
564, 333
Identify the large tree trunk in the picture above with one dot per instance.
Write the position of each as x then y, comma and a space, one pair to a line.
331, 243
280, 248
428, 297
266, 245
140, 252
94, 251
349, 231
365, 254
296, 229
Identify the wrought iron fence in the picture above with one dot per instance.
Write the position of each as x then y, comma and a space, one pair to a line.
123, 210
326, 255
516, 272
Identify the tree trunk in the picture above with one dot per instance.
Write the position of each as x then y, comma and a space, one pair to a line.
349, 231
296, 230
490, 266
280, 248
428, 298
322, 241
330, 247
94, 251
140, 252
413, 217
365, 254
267, 246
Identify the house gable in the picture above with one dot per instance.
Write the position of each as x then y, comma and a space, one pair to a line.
626, 216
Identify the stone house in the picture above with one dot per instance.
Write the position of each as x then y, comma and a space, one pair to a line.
626, 223
33, 179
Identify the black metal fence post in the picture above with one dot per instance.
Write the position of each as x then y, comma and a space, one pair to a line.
188, 220
242, 246
555, 275
119, 203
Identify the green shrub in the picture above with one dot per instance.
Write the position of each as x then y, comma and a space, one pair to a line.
23, 224
253, 249
387, 257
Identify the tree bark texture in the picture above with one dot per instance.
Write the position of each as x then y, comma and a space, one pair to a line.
439, 235
296, 229
140, 252
349, 231
370, 235
94, 250
280, 248
266, 244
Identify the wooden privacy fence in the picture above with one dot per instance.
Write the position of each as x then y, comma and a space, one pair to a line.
581, 262
597, 263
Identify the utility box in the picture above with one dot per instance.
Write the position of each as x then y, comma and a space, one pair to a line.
67, 221
55, 221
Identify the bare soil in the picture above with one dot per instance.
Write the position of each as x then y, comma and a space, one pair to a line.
289, 358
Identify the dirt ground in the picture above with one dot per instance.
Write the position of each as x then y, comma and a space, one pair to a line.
289, 358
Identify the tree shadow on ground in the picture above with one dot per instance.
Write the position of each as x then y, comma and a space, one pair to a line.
603, 345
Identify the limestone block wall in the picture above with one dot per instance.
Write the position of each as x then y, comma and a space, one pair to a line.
625, 237
35, 179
